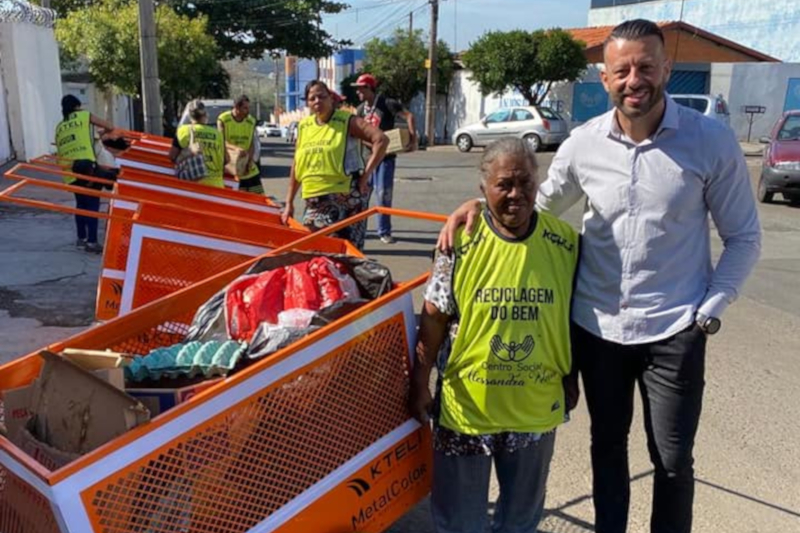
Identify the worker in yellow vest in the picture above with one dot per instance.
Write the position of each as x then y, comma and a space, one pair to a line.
331, 174
211, 140
496, 314
75, 152
238, 127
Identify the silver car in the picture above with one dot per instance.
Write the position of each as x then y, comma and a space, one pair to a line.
540, 126
707, 104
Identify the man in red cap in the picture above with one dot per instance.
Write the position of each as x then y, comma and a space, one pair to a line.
381, 111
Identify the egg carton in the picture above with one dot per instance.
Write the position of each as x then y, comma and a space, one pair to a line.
209, 359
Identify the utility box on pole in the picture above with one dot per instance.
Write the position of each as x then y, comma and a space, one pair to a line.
148, 55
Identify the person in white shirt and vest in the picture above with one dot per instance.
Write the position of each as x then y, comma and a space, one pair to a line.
496, 316
648, 295
75, 151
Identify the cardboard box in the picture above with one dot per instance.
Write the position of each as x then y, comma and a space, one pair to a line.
17, 411
76, 412
399, 140
159, 400
47, 456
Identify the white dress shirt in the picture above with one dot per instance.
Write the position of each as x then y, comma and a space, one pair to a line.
646, 267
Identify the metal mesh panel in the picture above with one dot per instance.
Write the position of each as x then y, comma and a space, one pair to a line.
165, 267
22, 508
250, 460
165, 334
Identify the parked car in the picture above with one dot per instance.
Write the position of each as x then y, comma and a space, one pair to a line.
214, 108
540, 126
266, 129
709, 105
780, 167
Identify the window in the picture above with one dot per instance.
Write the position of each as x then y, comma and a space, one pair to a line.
698, 104
611, 3
790, 131
548, 113
522, 114
498, 116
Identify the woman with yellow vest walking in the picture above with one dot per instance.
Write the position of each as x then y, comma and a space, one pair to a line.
75, 150
496, 315
238, 127
211, 140
333, 185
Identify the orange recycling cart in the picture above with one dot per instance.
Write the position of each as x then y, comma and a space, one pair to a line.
315, 438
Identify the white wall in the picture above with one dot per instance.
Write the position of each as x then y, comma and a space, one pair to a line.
756, 84
769, 26
93, 100
5, 133
32, 76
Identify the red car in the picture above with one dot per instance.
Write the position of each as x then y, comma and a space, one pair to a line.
780, 170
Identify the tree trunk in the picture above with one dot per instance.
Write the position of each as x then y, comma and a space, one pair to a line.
527, 93
109, 99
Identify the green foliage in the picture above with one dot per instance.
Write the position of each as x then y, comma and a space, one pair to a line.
106, 36
250, 28
399, 64
527, 61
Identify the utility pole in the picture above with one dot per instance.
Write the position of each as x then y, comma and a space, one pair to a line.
258, 99
148, 56
410, 23
430, 96
277, 89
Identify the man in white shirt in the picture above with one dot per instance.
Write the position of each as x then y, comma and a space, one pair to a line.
647, 294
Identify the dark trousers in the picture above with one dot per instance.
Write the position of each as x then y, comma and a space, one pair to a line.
670, 377
87, 226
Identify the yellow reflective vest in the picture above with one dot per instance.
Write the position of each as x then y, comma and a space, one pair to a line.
240, 134
319, 157
512, 348
74, 140
213, 144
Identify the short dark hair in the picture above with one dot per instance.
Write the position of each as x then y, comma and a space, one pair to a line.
316, 83
241, 100
69, 104
635, 30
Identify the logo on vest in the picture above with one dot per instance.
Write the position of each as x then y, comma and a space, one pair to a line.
512, 352
558, 240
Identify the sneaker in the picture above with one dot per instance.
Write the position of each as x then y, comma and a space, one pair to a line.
80, 243
94, 247
388, 239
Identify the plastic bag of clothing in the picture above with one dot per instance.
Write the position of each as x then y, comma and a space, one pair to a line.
252, 299
371, 279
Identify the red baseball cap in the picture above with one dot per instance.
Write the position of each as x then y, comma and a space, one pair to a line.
366, 80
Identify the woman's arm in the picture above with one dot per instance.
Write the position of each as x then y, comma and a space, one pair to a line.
360, 129
105, 125
294, 186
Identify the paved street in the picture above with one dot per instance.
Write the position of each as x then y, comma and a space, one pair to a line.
747, 460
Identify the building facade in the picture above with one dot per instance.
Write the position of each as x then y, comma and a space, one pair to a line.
769, 26
331, 70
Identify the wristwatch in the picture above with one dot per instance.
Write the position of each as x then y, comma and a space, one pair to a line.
709, 324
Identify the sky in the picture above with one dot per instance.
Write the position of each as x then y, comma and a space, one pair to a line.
460, 21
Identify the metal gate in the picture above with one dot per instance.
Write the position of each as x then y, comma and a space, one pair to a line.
688, 82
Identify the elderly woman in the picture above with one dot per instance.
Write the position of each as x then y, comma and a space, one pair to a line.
327, 165
497, 314
210, 139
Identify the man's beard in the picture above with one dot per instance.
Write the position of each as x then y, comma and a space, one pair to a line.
656, 96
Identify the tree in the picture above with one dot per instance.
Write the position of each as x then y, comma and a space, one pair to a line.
248, 29
399, 64
106, 36
529, 62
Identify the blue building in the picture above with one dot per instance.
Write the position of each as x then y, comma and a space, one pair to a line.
332, 70
769, 26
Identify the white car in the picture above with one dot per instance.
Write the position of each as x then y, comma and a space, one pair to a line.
709, 105
214, 108
540, 126
265, 129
